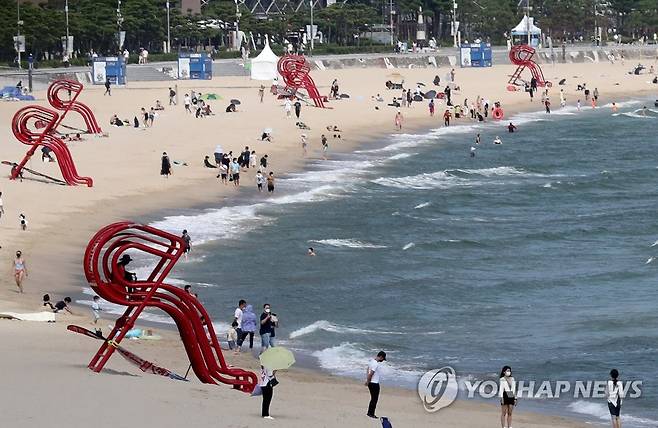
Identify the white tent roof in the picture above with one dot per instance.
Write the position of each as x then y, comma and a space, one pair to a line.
522, 28
263, 67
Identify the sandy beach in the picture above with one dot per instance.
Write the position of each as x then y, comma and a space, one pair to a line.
47, 375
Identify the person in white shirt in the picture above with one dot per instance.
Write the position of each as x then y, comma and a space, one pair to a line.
238, 318
187, 101
373, 378
287, 105
96, 309
267, 382
507, 394
614, 392
260, 180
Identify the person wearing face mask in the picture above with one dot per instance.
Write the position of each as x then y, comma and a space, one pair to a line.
507, 394
268, 322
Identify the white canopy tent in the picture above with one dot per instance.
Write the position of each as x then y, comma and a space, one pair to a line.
263, 67
526, 24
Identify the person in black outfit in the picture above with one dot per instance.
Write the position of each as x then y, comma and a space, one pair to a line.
447, 92
107, 87
298, 108
268, 322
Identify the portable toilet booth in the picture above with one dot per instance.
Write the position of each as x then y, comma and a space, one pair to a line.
476, 55
196, 66
111, 67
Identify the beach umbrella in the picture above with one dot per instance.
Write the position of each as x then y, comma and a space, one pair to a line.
430, 94
418, 98
277, 358
210, 97
236, 102
420, 84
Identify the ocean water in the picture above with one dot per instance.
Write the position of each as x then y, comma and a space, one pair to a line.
537, 253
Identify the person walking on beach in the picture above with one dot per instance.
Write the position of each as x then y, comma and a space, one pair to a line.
547, 103
263, 163
260, 180
235, 172
261, 93
398, 120
248, 327
107, 87
268, 322
507, 394
20, 271
96, 310
165, 168
304, 147
187, 101
614, 393
298, 108
287, 106
172, 97
188, 242
23, 221
431, 107
446, 117
237, 317
270, 182
373, 378
267, 382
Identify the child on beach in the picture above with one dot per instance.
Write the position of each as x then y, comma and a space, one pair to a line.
23, 221
232, 335
304, 146
95, 310
63, 305
431, 107
270, 183
398, 120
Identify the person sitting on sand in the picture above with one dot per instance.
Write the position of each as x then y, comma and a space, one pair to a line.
207, 163
302, 125
230, 108
47, 302
46, 154
158, 105
115, 121
266, 136
511, 127
63, 305
379, 98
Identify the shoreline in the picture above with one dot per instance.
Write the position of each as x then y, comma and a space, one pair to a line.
63, 261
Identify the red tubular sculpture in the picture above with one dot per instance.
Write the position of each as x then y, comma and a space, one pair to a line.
101, 265
295, 72
33, 126
71, 103
521, 55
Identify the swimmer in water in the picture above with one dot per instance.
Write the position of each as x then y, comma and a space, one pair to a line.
477, 139
472, 151
497, 140
614, 108
644, 111
311, 252
511, 127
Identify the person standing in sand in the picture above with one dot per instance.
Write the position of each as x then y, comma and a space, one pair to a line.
261, 93
398, 120
187, 101
267, 382
237, 317
20, 271
268, 322
287, 106
96, 310
235, 172
614, 393
373, 378
260, 180
107, 87
431, 107
165, 168
304, 147
507, 394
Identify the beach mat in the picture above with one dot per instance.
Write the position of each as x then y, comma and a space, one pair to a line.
35, 316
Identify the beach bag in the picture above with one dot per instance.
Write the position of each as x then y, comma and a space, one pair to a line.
386, 423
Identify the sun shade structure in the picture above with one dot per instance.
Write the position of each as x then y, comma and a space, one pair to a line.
263, 67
